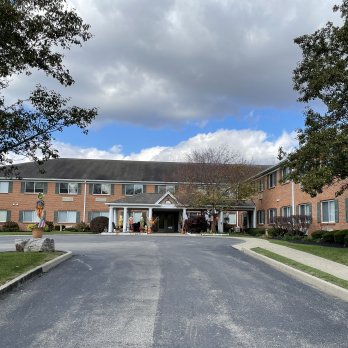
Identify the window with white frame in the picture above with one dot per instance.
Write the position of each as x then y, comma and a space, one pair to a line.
166, 188
67, 216
272, 214
272, 179
232, 218
260, 217
4, 186
286, 211
3, 215
328, 211
34, 187
95, 214
30, 216
70, 188
285, 172
304, 209
101, 189
134, 189
260, 185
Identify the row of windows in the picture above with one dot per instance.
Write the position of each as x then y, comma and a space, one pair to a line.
327, 212
272, 179
72, 188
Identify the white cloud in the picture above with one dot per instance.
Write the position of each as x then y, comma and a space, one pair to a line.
168, 62
254, 146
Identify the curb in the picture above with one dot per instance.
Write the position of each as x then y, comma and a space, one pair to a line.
12, 284
320, 284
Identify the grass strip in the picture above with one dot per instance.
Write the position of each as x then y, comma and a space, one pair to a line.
13, 264
300, 266
339, 255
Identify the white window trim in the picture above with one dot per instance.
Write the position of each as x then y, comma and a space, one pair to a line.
269, 179
66, 222
3, 211
322, 213
69, 193
132, 194
34, 182
101, 189
34, 217
8, 186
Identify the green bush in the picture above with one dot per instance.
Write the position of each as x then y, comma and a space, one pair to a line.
275, 232
255, 231
30, 227
49, 226
10, 226
346, 240
71, 229
339, 236
328, 237
99, 224
316, 235
81, 227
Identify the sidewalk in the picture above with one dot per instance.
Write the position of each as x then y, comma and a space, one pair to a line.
336, 269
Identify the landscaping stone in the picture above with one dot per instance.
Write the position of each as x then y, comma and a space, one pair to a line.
35, 245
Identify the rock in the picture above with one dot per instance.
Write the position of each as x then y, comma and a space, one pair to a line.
20, 244
39, 244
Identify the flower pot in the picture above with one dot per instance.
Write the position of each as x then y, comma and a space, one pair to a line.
37, 232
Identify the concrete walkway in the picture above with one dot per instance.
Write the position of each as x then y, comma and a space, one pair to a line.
336, 269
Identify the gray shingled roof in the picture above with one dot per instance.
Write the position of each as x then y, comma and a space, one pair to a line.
100, 169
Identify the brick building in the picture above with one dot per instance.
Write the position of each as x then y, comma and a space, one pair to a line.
77, 190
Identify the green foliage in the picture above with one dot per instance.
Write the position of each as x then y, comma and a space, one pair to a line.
49, 226
340, 235
81, 227
322, 156
328, 237
196, 224
99, 224
34, 35
346, 239
317, 235
255, 231
30, 227
10, 226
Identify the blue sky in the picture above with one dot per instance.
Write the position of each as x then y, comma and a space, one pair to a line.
170, 76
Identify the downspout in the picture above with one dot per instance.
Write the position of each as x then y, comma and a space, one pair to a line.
84, 202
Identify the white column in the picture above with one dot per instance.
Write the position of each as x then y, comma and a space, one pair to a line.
125, 219
150, 213
254, 218
111, 216
184, 214
221, 222
293, 197
237, 219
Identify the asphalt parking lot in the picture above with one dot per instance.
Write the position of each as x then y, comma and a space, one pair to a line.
151, 291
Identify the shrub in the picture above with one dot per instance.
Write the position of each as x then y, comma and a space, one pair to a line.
30, 227
49, 225
71, 229
328, 237
196, 224
316, 235
99, 224
275, 232
255, 231
10, 226
57, 227
47, 228
81, 227
346, 240
339, 236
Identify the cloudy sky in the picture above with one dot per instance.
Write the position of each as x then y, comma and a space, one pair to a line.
171, 75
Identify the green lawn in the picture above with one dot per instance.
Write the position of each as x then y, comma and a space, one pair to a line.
310, 270
12, 263
339, 255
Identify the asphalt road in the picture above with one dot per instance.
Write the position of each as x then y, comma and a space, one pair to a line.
151, 291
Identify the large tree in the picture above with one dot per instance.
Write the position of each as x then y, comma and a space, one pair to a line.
321, 78
33, 35
215, 178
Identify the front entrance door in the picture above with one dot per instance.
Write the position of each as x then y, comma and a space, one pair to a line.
167, 222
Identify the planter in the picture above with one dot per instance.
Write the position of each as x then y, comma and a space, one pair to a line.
37, 232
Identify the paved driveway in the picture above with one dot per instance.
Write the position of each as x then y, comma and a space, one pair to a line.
148, 291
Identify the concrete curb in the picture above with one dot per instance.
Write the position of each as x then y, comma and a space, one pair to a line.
326, 287
34, 272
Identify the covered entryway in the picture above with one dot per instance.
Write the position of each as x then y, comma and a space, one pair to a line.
166, 221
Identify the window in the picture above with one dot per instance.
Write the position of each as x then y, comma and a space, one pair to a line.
134, 189
101, 189
286, 211
94, 214
328, 211
285, 172
67, 217
260, 217
4, 186
166, 188
231, 218
304, 209
272, 179
272, 214
3, 215
34, 187
70, 188
260, 185
30, 216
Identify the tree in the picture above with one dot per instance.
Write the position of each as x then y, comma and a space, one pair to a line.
215, 178
322, 156
33, 35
